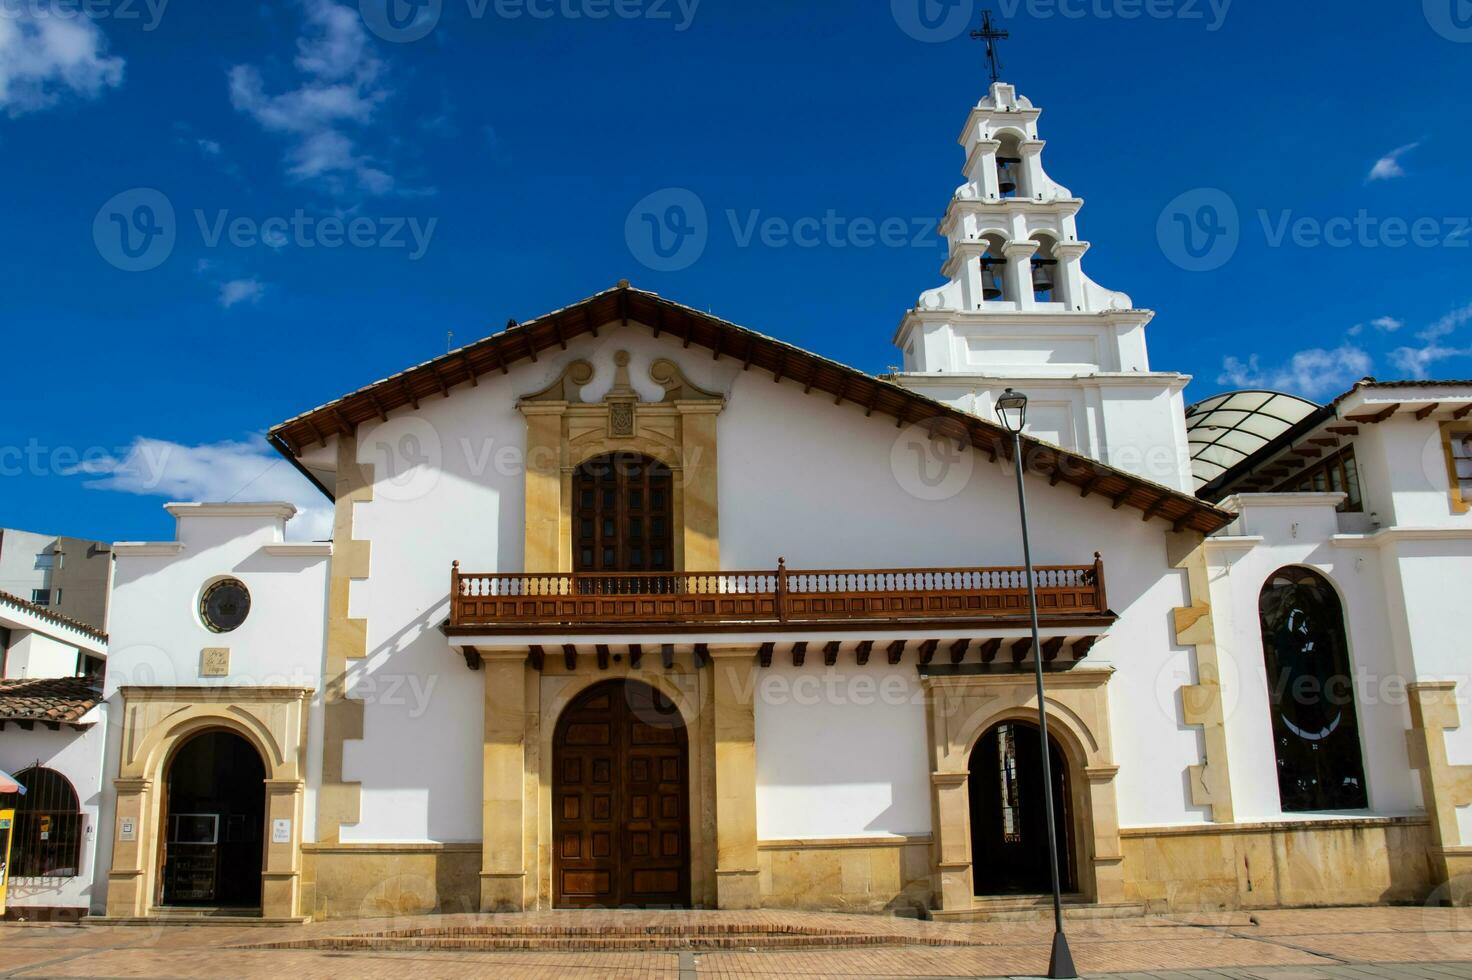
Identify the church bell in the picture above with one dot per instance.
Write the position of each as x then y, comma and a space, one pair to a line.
1043, 278
1007, 168
991, 277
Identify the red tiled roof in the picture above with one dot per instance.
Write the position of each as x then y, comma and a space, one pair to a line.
53, 616
754, 350
53, 699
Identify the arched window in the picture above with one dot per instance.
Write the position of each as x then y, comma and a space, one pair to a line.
624, 515
1316, 733
46, 840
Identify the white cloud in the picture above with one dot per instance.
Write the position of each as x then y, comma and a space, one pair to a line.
1387, 323
1312, 373
221, 472
240, 291
1417, 362
1388, 166
340, 88
43, 58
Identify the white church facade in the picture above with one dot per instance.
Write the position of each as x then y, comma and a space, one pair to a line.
627, 605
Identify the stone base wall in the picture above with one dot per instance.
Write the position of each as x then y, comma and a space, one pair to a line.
860, 874
382, 880
1324, 862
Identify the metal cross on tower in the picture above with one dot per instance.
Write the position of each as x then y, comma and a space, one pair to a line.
991, 36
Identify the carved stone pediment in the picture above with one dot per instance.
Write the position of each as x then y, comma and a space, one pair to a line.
568, 386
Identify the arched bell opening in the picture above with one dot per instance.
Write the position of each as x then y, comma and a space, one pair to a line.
994, 285
1047, 282
1009, 824
1011, 175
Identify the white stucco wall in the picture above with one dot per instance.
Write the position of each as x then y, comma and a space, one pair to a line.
840, 752
77, 755
34, 655
1278, 530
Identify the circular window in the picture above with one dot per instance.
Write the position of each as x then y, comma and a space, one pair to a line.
224, 605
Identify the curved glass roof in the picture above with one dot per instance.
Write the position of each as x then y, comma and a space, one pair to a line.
1226, 429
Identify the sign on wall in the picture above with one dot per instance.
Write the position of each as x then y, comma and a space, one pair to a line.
214, 662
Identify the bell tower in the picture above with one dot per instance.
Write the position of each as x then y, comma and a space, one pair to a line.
1018, 311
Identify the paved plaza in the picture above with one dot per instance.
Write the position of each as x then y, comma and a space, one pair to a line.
1347, 943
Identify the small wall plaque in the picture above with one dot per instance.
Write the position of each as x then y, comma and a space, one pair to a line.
126, 829
280, 831
214, 662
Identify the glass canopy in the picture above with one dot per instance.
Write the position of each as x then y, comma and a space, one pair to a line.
1226, 429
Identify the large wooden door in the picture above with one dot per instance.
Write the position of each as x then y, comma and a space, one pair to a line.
620, 817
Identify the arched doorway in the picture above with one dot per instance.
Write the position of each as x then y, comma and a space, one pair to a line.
620, 800
214, 817
1009, 846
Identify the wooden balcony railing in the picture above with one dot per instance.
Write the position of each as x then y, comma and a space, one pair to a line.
780, 596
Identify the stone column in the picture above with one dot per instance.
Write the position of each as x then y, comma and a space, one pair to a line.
127, 882
951, 798
544, 538
503, 789
282, 874
1019, 271
702, 532
738, 884
1444, 786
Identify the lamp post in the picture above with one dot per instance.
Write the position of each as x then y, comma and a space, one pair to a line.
1012, 408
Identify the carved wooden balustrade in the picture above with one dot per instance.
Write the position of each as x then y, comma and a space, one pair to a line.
782, 596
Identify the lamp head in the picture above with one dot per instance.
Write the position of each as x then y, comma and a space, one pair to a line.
1012, 409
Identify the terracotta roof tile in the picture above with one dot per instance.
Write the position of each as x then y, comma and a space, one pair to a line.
52, 615
53, 699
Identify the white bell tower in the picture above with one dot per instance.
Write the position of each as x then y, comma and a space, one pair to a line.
1019, 312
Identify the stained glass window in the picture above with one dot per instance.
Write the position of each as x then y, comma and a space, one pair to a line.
1311, 694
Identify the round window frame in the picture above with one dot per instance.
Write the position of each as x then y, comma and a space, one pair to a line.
210, 588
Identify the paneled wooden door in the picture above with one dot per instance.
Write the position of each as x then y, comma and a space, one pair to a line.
620, 800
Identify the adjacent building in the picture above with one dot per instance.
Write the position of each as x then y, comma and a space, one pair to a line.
52, 732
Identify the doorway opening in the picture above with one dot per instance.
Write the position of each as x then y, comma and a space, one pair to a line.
214, 819
1009, 844
621, 800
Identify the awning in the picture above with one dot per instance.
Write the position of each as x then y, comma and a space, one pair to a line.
9, 785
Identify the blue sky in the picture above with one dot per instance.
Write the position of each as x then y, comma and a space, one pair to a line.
489, 168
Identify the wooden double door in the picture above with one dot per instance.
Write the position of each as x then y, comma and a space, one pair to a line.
620, 800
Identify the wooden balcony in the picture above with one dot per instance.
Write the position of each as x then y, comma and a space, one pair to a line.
778, 599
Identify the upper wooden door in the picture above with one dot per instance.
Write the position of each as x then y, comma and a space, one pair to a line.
624, 512
620, 819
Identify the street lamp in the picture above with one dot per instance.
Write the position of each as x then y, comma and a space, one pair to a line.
1012, 408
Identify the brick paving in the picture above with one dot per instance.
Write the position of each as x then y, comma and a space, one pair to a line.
1309, 944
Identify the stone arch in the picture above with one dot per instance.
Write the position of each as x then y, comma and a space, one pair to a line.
963, 709
163, 743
